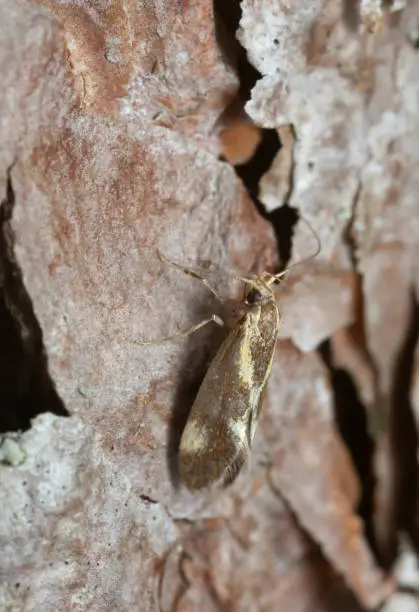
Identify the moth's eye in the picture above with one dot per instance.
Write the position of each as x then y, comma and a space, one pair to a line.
253, 297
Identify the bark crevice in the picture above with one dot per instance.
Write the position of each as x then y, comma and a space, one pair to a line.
26, 388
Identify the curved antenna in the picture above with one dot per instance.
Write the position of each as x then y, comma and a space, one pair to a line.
276, 277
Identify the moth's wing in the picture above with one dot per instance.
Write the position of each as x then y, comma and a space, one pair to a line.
216, 440
206, 446
234, 468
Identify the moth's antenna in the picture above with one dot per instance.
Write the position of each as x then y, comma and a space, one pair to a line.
275, 277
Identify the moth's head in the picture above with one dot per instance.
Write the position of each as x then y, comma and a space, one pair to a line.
259, 293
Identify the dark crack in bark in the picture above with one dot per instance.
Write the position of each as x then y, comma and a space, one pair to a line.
26, 388
389, 420
404, 434
353, 412
283, 219
184, 582
352, 423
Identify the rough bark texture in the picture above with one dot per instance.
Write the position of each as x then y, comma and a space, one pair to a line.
121, 126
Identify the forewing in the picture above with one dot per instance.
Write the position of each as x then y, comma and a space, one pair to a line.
222, 422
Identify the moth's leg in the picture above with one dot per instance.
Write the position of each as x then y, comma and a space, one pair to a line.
190, 272
187, 332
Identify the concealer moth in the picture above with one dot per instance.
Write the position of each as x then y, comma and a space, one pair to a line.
216, 440
222, 422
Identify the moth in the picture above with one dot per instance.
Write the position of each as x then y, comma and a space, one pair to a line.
221, 425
